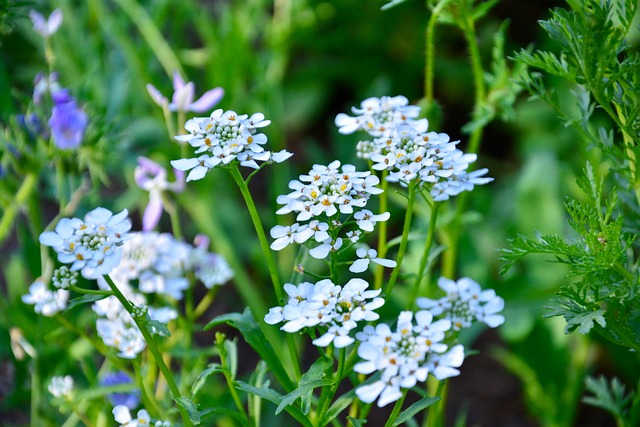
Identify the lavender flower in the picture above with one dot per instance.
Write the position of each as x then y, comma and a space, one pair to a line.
46, 27
183, 94
152, 177
67, 121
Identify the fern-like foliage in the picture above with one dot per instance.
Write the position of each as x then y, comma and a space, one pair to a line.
603, 73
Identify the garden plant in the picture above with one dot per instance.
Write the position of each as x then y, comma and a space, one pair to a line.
319, 213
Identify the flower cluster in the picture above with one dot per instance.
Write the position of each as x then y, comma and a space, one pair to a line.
337, 309
61, 386
160, 264
465, 303
123, 417
409, 152
91, 245
321, 196
117, 328
405, 356
223, 137
377, 116
46, 301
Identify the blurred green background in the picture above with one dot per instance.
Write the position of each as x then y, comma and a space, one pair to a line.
301, 62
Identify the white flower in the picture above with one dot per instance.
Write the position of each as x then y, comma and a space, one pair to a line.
122, 415
328, 245
61, 386
464, 303
404, 357
366, 256
285, 235
366, 220
91, 245
46, 302
324, 304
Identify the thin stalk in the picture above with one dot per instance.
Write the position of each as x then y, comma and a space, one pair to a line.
205, 302
430, 50
382, 230
268, 254
405, 238
436, 411
149, 402
262, 237
166, 372
328, 398
425, 255
396, 409
90, 291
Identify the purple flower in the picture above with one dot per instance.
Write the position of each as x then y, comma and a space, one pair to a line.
67, 122
152, 177
183, 94
46, 27
130, 400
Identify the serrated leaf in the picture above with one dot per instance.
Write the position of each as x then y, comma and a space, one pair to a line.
414, 409
88, 298
188, 405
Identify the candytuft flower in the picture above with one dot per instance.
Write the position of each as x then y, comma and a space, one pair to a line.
91, 245
46, 301
61, 386
405, 356
465, 302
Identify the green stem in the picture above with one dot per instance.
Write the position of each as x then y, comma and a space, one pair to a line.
90, 291
430, 50
149, 402
268, 254
166, 372
405, 238
23, 194
382, 230
205, 302
262, 237
328, 398
396, 409
436, 411
425, 254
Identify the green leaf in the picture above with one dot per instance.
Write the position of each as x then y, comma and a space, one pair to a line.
392, 3
290, 398
585, 322
356, 422
611, 397
88, 298
213, 368
274, 397
188, 405
156, 327
414, 409
246, 324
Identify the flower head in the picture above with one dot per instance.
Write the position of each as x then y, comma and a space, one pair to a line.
183, 95
335, 309
46, 301
403, 357
61, 386
465, 302
91, 245
225, 137
67, 122
46, 27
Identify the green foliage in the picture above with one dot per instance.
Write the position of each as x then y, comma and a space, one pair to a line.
613, 397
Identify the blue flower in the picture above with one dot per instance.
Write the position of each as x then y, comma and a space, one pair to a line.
130, 400
67, 122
